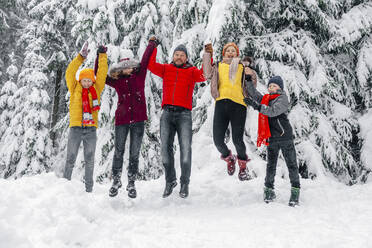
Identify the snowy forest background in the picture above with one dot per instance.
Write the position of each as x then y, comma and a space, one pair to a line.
321, 48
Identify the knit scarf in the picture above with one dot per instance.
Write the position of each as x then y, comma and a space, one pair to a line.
87, 111
263, 122
233, 68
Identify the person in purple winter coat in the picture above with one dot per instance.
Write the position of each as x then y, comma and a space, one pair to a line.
128, 79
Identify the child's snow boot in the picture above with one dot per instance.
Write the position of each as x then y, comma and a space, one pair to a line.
269, 195
295, 195
114, 190
131, 188
230, 160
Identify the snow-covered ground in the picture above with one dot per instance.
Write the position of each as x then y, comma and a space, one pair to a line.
47, 211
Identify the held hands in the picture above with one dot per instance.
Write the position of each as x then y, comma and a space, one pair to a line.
250, 102
101, 49
84, 50
154, 39
208, 49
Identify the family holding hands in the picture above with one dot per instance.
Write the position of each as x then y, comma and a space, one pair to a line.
233, 86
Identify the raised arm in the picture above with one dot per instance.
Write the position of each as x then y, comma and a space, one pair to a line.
207, 61
154, 67
198, 75
102, 69
147, 54
71, 70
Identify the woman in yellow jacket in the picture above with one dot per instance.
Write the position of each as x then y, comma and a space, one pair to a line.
84, 106
227, 84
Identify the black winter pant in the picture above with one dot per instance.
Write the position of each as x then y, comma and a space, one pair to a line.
289, 153
225, 112
136, 131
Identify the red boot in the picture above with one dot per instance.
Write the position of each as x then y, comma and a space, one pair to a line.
230, 160
243, 173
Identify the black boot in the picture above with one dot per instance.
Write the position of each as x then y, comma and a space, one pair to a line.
295, 195
269, 195
114, 190
169, 188
131, 188
184, 191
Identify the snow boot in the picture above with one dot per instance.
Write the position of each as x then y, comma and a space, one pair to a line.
230, 160
269, 195
169, 188
131, 188
243, 171
184, 191
114, 190
295, 195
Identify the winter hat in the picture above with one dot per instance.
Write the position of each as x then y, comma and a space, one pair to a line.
125, 63
181, 48
87, 73
276, 80
229, 45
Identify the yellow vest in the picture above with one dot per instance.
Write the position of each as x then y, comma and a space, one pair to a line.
228, 89
75, 89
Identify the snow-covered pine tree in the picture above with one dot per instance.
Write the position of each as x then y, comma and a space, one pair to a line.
190, 21
320, 48
6, 97
295, 39
52, 25
12, 20
26, 147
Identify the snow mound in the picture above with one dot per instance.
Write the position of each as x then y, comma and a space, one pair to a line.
47, 211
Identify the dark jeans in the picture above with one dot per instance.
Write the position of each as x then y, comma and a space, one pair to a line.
289, 153
136, 131
89, 137
170, 124
225, 112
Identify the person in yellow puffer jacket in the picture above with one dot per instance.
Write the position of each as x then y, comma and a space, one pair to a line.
84, 106
227, 88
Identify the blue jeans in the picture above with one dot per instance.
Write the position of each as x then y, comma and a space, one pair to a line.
170, 124
89, 137
136, 131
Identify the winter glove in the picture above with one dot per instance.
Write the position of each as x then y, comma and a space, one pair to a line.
250, 102
84, 50
154, 39
101, 49
208, 49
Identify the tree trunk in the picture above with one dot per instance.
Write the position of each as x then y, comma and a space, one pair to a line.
55, 112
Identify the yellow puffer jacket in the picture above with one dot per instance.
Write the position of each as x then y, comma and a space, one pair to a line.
75, 89
228, 89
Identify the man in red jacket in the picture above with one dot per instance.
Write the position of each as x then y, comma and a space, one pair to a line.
179, 78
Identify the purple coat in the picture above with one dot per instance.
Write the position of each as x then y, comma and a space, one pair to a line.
132, 101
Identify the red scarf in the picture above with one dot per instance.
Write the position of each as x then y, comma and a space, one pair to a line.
263, 122
87, 111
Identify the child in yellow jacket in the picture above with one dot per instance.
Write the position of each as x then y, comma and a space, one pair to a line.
84, 106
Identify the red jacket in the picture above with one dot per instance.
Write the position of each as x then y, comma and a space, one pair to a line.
178, 82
